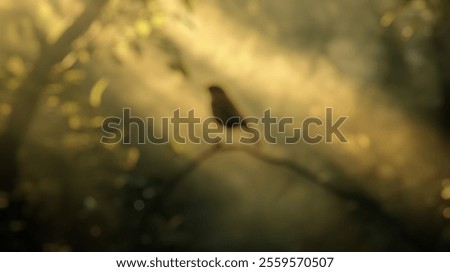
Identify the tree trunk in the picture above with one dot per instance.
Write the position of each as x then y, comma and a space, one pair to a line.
29, 92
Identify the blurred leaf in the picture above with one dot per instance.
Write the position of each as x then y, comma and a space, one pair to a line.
95, 98
83, 56
53, 23
75, 75
121, 51
158, 19
5, 109
16, 66
69, 61
143, 28
75, 122
96, 121
52, 101
387, 19
133, 155
70, 108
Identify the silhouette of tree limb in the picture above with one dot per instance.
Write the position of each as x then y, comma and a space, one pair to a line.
366, 204
28, 94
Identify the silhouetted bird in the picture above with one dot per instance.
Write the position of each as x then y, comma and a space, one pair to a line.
223, 109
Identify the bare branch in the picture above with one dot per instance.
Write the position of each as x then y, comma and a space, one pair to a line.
368, 206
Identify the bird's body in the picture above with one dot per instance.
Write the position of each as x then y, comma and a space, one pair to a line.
223, 109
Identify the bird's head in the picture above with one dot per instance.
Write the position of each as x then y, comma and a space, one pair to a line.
215, 90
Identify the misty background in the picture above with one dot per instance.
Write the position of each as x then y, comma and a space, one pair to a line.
67, 65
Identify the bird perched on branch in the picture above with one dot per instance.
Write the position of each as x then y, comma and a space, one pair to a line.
223, 109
